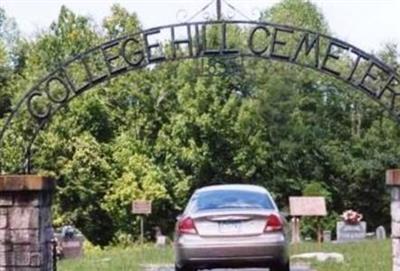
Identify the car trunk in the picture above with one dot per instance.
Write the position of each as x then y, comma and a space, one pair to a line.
240, 222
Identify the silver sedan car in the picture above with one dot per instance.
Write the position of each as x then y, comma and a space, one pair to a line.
231, 226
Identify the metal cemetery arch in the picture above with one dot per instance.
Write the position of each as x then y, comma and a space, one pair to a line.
264, 40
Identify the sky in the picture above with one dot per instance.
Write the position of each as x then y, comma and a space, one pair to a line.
367, 24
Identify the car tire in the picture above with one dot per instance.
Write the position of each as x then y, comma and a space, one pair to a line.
281, 266
184, 268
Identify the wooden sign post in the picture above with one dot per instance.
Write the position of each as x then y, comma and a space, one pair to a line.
142, 208
306, 206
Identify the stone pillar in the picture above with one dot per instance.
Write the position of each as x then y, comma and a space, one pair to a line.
25, 223
393, 180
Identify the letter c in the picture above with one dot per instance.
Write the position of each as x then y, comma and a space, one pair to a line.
32, 111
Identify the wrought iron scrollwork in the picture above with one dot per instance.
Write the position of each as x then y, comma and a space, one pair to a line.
266, 41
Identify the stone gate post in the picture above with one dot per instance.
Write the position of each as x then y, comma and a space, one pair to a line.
25, 223
393, 180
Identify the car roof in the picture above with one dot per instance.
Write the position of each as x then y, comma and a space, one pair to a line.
242, 187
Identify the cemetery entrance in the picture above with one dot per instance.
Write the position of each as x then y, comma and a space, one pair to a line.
25, 198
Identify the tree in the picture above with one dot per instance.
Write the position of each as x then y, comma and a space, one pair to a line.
121, 22
9, 36
301, 13
162, 132
84, 180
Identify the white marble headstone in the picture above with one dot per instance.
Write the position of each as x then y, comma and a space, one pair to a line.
380, 233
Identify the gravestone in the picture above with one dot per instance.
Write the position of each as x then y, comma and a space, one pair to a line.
161, 241
72, 248
380, 233
70, 243
327, 236
349, 232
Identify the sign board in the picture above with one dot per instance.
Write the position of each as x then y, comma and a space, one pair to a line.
141, 207
307, 206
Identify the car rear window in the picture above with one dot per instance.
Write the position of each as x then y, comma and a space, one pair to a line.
231, 199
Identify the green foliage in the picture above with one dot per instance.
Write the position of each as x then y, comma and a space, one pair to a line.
358, 256
301, 13
121, 22
83, 183
164, 131
9, 36
316, 189
310, 225
69, 35
9, 32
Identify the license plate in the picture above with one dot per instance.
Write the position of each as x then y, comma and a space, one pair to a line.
229, 227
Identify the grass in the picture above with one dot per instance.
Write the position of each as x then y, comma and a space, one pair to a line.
119, 259
361, 256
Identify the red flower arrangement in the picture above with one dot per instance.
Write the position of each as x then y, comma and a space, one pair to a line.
351, 217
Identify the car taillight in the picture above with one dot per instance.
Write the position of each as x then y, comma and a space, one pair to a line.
186, 225
274, 223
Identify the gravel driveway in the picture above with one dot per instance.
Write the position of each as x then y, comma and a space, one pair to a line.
170, 268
